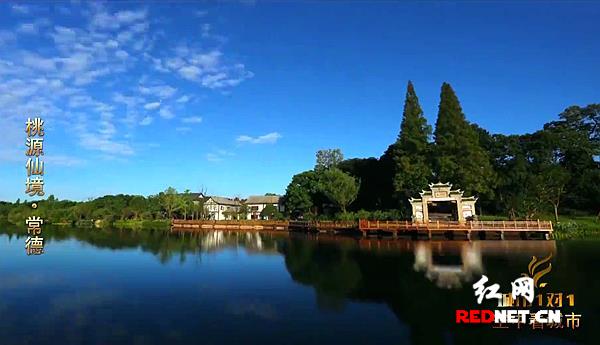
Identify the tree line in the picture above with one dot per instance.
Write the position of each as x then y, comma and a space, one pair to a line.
110, 209
553, 170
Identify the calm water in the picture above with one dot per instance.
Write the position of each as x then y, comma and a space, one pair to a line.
121, 287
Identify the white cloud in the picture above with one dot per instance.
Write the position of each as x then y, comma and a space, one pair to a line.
63, 10
129, 101
27, 28
146, 121
78, 101
206, 68
140, 27
6, 37
90, 76
206, 30
112, 44
218, 155
269, 138
121, 54
75, 63
20, 9
183, 99
208, 61
190, 72
63, 35
152, 106
160, 91
192, 119
213, 157
101, 136
125, 17
166, 113
105, 20
87, 67
63, 160
183, 129
124, 36
94, 141
40, 63
227, 78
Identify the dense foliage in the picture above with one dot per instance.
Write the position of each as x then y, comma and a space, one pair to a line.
108, 210
323, 189
554, 170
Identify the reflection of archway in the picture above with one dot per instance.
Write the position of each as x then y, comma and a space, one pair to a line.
448, 275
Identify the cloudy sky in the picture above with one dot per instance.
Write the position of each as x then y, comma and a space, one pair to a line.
234, 98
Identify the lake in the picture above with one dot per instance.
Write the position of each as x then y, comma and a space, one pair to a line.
95, 286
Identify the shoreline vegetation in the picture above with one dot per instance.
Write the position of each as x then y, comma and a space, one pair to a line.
551, 174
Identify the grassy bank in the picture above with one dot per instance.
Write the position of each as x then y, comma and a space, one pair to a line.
568, 227
577, 228
142, 224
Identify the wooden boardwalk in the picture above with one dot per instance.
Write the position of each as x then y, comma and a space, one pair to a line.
449, 230
502, 229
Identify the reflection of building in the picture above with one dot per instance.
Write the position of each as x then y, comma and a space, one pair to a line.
251, 241
218, 207
449, 274
442, 203
257, 203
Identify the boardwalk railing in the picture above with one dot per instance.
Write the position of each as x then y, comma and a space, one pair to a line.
370, 227
496, 225
323, 225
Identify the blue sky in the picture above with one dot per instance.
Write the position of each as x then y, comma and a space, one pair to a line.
235, 98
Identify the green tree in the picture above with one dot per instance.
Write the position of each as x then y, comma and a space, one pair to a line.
412, 171
270, 212
576, 142
170, 201
186, 204
301, 194
154, 207
137, 205
329, 158
339, 187
369, 172
458, 155
231, 213
243, 212
551, 186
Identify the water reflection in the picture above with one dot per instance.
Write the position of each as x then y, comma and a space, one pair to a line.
448, 275
449, 264
255, 280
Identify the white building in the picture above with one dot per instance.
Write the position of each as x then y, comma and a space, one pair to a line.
443, 203
257, 203
217, 207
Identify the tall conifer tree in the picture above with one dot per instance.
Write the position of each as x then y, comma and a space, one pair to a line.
411, 169
458, 155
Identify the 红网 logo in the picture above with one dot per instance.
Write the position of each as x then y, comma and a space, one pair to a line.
522, 306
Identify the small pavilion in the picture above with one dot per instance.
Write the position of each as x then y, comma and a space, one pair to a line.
441, 203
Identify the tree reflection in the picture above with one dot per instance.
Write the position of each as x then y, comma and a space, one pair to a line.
423, 283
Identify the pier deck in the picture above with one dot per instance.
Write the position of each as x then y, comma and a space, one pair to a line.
524, 229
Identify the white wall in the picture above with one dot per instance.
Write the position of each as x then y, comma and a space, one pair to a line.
259, 207
216, 210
